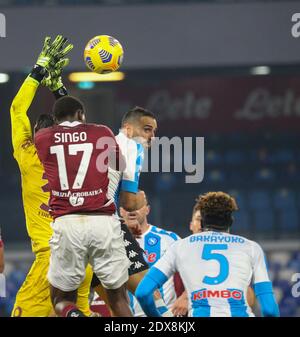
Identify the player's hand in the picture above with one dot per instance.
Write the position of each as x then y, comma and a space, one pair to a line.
180, 306
50, 55
133, 224
54, 79
52, 52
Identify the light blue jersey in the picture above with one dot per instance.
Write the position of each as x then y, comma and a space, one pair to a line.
216, 269
155, 242
128, 180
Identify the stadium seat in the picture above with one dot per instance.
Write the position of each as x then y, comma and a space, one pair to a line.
288, 220
213, 158
288, 306
240, 198
284, 199
235, 157
259, 200
282, 258
216, 176
282, 156
265, 175
242, 221
263, 220
165, 181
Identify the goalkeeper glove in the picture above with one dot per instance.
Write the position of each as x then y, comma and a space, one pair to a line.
51, 53
54, 80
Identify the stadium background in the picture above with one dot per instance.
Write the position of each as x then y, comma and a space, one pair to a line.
227, 70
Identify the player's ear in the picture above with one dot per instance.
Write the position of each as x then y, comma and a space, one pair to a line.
80, 115
129, 129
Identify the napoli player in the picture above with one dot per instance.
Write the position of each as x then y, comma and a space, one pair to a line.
137, 131
155, 242
75, 156
216, 267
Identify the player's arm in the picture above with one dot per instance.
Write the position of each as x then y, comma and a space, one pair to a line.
263, 288
130, 179
50, 55
180, 306
250, 297
20, 123
155, 278
152, 281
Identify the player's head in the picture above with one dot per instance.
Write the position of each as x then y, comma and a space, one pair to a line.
44, 121
195, 224
143, 209
141, 124
216, 210
69, 108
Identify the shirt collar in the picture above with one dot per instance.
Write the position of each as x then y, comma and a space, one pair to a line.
70, 124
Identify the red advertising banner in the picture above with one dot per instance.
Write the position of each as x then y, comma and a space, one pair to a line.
218, 104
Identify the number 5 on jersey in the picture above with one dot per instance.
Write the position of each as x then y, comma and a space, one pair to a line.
207, 254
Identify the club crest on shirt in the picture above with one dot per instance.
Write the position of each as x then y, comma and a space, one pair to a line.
76, 201
152, 241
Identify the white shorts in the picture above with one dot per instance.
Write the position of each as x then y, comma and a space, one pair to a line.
79, 239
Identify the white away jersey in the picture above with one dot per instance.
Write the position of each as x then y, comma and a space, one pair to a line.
155, 242
216, 269
133, 153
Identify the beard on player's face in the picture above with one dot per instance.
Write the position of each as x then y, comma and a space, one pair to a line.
144, 131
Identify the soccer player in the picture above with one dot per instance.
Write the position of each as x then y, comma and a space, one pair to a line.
1, 254
76, 156
137, 131
155, 242
33, 298
216, 267
195, 224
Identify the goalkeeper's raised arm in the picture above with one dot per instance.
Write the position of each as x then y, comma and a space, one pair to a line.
49, 60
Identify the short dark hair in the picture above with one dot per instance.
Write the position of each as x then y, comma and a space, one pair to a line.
67, 106
135, 114
44, 121
216, 210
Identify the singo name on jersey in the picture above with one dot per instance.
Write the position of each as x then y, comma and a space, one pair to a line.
204, 293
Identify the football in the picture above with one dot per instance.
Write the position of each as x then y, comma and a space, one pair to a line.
103, 54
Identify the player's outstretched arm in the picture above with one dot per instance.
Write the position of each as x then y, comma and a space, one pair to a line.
52, 53
153, 280
20, 123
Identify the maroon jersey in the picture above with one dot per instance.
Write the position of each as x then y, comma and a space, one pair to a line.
75, 160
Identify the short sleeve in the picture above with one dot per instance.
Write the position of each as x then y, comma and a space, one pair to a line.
260, 271
167, 263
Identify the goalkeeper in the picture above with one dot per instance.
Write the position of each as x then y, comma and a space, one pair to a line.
33, 298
